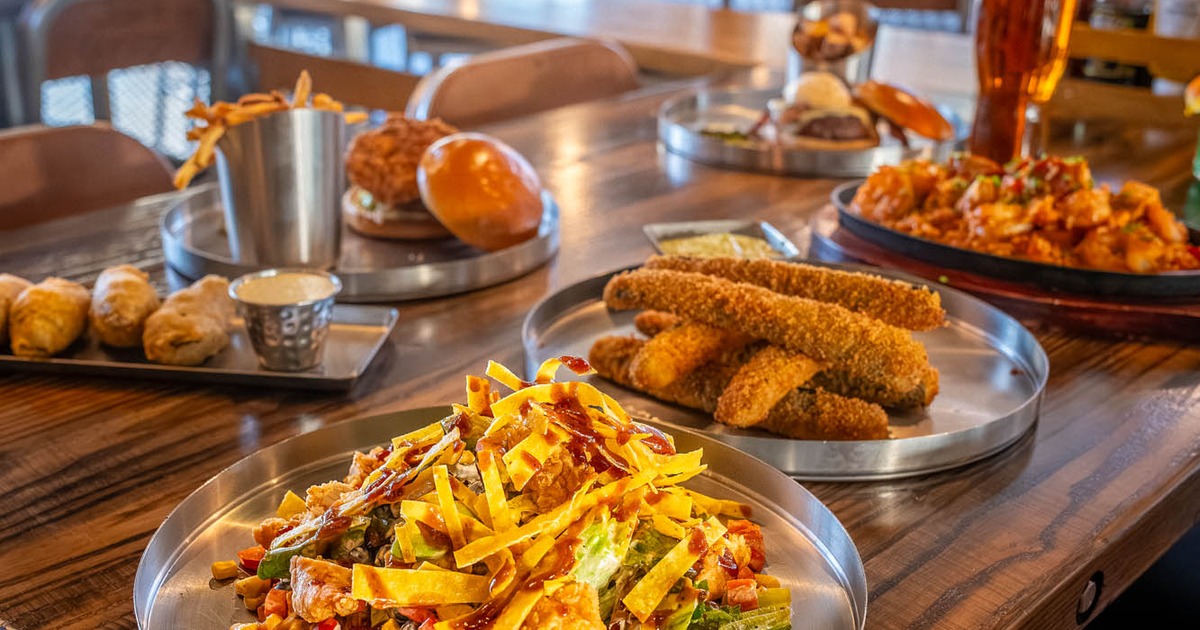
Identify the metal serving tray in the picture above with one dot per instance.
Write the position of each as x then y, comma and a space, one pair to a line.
992, 373
1089, 282
682, 118
809, 550
371, 270
355, 336
659, 232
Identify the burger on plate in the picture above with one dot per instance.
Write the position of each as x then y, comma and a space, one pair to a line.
819, 112
383, 200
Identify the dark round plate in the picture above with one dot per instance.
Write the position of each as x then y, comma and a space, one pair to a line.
1170, 284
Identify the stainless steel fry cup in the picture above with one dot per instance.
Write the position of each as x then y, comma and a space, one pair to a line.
282, 178
287, 337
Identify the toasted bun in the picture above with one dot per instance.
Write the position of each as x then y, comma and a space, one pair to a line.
904, 109
409, 222
482, 190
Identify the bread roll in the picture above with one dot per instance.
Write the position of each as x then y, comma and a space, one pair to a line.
48, 317
191, 325
10, 287
122, 299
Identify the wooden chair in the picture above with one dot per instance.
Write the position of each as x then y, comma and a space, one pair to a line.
53, 172
352, 83
64, 38
523, 80
1170, 58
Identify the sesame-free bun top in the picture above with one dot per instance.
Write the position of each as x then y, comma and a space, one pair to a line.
904, 109
482, 190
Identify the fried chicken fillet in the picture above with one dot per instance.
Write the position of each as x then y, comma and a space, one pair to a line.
891, 301
878, 354
761, 382
833, 379
679, 350
806, 414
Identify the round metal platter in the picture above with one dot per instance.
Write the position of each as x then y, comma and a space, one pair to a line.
1090, 282
992, 374
809, 550
371, 270
682, 119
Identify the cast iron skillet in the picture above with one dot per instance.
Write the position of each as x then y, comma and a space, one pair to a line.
1170, 284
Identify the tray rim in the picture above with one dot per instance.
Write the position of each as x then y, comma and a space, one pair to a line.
390, 316
363, 286
797, 500
678, 139
655, 232
1026, 414
1099, 282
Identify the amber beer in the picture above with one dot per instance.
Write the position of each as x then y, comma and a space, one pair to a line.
1021, 51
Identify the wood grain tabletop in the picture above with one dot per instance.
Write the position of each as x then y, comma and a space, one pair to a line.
1107, 480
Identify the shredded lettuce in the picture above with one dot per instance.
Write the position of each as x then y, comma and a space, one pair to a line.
602, 549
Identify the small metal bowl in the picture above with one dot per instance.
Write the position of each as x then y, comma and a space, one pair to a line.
287, 337
657, 233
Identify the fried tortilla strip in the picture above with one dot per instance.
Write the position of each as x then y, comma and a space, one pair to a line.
802, 414
10, 287
679, 350
891, 301
867, 349
760, 383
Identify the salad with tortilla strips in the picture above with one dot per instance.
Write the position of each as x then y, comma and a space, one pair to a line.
546, 508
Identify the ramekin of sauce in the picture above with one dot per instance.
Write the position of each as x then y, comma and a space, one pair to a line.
287, 314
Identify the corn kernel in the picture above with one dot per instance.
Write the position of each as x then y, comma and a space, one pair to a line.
272, 621
766, 581
224, 569
251, 586
252, 602
390, 624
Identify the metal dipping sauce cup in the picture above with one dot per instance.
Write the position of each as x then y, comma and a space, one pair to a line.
287, 322
282, 177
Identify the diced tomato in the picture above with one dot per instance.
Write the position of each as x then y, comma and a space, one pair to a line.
277, 602
744, 573
752, 534
328, 624
419, 615
1194, 251
262, 612
742, 593
250, 557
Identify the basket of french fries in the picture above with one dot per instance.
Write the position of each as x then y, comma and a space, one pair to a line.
280, 169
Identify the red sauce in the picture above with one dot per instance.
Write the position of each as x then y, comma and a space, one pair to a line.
332, 525
586, 445
656, 440
462, 422
697, 544
654, 498
482, 618
575, 364
728, 563
531, 461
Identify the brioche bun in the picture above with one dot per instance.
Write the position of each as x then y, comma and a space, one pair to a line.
904, 109
482, 190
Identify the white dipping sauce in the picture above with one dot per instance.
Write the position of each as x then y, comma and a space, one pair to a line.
286, 288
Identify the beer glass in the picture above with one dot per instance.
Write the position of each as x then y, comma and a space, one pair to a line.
1021, 52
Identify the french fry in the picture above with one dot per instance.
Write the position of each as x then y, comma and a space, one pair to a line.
303, 88
213, 120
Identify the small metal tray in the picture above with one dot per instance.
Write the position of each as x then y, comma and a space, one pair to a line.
992, 369
371, 270
1088, 282
810, 551
659, 232
682, 118
355, 336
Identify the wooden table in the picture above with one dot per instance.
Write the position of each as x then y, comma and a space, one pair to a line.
678, 39
1106, 482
